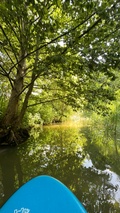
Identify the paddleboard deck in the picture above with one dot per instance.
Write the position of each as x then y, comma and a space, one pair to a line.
43, 194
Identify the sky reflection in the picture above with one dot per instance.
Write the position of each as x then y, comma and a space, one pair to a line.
114, 179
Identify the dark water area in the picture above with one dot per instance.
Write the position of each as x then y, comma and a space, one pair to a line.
85, 160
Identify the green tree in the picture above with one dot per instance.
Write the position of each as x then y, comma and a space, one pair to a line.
70, 44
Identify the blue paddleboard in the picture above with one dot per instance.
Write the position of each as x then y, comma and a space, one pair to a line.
43, 194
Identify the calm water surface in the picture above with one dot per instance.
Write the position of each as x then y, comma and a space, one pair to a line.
85, 160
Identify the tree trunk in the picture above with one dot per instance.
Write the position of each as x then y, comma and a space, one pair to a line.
25, 103
11, 114
10, 132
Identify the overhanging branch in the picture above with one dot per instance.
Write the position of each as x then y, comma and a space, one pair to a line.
46, 101
54, 40
84, 33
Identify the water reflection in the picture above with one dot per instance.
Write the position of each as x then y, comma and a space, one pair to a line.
80, 160
11, 172
113, 180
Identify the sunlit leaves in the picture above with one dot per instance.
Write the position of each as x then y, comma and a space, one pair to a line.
70, 43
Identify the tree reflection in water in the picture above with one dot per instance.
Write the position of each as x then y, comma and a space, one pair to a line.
11, 173
74, 156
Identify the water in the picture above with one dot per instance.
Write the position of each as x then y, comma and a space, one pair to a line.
82, 158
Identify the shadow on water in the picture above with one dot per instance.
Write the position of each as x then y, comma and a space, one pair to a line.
84, 161
10, 172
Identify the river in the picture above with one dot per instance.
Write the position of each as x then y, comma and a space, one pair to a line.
85, 160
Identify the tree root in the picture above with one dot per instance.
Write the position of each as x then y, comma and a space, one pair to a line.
12, 137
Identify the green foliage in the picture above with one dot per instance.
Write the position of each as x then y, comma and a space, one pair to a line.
4, 95
48, 113
67, 49
110, 121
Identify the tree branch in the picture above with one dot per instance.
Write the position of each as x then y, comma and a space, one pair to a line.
9, 43
84, 33
14, 31
7, 75
54, 40
47, 101
90, 28
8, 55
4, 71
